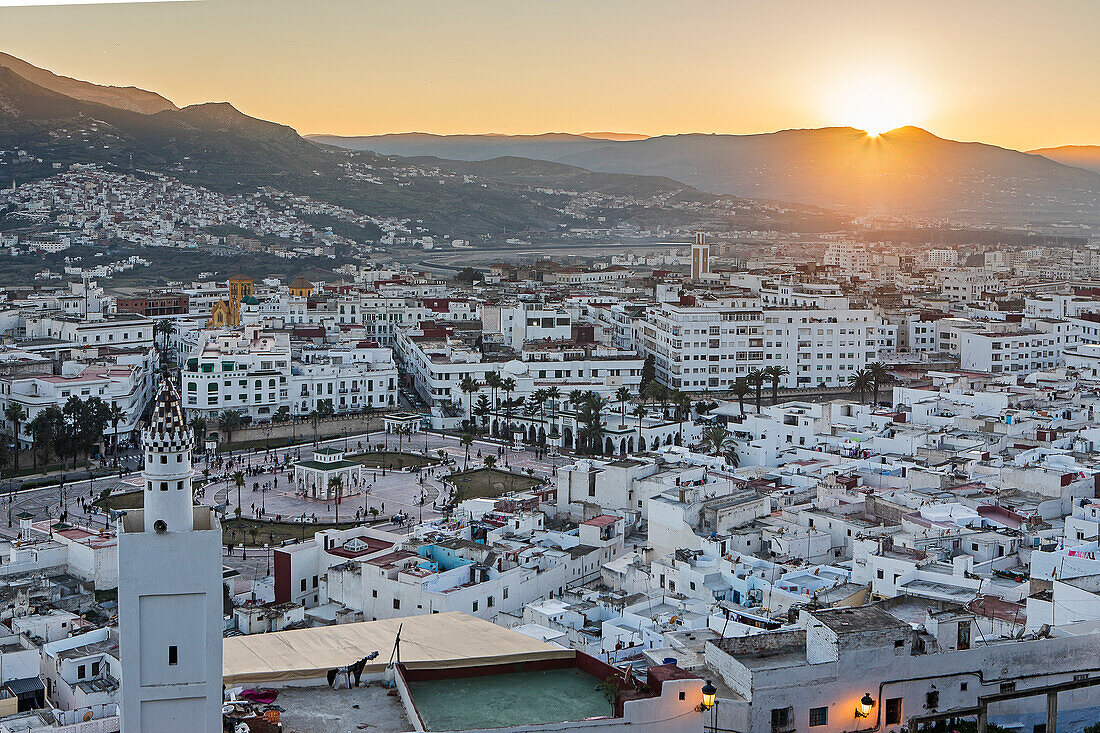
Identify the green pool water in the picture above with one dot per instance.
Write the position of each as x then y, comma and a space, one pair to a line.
496, 701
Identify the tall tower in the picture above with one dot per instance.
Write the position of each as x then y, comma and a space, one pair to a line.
700, 257
170, 589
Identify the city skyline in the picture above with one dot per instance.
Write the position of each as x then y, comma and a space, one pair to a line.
1011, 74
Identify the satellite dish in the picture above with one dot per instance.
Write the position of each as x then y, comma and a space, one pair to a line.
160, 526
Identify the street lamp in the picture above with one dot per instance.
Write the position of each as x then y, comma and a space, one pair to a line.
865, 704
709, 692
709, 703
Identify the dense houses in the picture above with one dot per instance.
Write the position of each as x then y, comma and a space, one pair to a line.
845, 487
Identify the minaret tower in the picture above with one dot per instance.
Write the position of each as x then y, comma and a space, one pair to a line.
170, 589
700, 257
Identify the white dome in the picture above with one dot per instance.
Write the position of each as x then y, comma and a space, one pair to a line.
515, 367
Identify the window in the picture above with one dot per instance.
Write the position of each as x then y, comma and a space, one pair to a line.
396, 604
819, 716
80, 672
504, 593
878, 574
173, 656
95, 669
781, 718
932, 699
1008, 687
489, 602
893, 711
374, 594
303, 584
683, 695
475, 607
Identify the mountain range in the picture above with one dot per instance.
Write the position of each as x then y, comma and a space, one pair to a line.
905, 171
1079, 156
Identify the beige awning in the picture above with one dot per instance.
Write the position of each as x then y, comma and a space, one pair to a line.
437, 640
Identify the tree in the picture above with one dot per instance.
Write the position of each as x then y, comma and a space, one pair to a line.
336, 488
639, 412
649, 373
489, 462
756, 378
16, 415
622, 396
466, 441
468, 276
553, 396
163, 328
741, 390
402, 431
590, 422
72, 410
229, 422
482, 410
238, 481
281, 415
44, 429
880, 375
469, 386
775, 374
315, 422
860, 382
492, 381
714, 439
116, 415
683, 410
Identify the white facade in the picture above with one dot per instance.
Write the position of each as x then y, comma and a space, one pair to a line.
170, 590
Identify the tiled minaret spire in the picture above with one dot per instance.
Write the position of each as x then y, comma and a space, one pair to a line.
167, 443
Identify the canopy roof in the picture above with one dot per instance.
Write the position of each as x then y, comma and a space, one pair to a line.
450, 639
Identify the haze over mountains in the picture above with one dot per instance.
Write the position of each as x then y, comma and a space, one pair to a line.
1080, 156
905, 171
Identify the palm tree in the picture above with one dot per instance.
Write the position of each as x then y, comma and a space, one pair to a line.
315, 421
469, 386
492, 381
860, 382
715, 439
553, 395
756, 378
198, 427
741, 390
622, 396
576, 397
238, 481
229, 422
880, 374
489, 462
590, 421
116, 415
658, 393
15, 414
639, 412
466, 440
402, 431
336, 487
775, 374
683, 410
730, 455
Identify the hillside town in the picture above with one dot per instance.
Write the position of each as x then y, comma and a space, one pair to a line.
836, 487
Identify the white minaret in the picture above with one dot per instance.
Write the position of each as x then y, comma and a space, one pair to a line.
700, 257
170, 590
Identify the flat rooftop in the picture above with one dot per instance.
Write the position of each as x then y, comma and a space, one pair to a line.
536, 697
321, 709
440, 639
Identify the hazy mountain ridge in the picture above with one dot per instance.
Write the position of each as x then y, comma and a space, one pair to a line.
1079, 156
216, 146
128, 98
908, 170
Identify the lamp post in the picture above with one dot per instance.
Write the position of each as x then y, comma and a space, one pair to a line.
863, 709
709, 703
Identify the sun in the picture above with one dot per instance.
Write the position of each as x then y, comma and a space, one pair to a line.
875, 104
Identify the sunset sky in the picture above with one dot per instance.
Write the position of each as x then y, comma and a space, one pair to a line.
1022, 74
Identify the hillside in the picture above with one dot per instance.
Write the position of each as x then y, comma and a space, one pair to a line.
905, 171
216, 146
1079, 156
127, 98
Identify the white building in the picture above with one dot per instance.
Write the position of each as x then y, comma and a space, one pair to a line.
170, 590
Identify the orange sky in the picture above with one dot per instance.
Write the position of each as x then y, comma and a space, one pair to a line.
1013, 73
